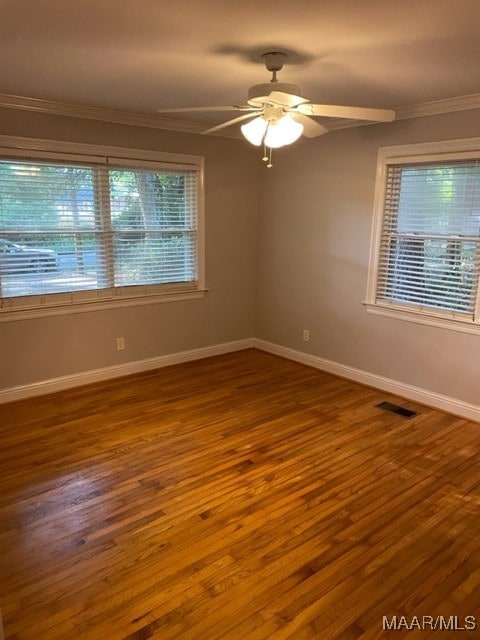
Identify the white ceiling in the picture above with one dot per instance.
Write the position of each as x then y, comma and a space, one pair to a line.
143, 55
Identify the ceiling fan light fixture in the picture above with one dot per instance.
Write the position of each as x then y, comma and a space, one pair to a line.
283, 132
254, 131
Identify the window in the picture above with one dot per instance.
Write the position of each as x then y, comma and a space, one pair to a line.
78, 230
425, 261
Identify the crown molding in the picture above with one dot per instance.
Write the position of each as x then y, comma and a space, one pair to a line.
434, 107
104, 115
437, 107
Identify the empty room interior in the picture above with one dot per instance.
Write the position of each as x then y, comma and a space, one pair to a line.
239, 320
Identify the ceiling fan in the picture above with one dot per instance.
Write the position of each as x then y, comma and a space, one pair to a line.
279, 115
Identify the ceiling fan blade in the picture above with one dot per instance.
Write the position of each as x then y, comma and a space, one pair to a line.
238, 107
286, 99
354, 113
311, 129
230, 122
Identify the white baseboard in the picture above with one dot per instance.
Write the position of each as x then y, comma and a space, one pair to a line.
95, 375
429, 398
436, 400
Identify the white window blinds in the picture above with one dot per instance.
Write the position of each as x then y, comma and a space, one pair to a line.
75, 231
429, 245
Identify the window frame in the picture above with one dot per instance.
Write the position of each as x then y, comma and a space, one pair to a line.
103, 155
448, 150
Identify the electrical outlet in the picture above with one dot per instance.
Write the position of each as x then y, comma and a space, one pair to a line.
306, 335
120, 344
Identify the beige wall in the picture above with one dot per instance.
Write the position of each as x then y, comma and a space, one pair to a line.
39, 349
312, 248
315, 217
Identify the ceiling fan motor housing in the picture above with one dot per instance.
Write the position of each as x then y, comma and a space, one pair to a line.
274, 60
258, 94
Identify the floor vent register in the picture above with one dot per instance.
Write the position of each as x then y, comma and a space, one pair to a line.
395, 408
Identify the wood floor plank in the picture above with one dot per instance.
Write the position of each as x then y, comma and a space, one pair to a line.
241, 497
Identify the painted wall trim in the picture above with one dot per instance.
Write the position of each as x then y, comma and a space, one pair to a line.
24, 103
52, 385
437, 107
101, 114
417, 394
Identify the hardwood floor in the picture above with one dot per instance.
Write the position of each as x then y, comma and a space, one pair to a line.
242, 497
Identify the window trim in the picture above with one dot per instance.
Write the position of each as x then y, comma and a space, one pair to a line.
35, 148
460, 149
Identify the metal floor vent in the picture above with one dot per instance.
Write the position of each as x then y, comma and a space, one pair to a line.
395, 408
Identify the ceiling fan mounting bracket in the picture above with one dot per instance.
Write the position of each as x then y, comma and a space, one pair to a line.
274, 60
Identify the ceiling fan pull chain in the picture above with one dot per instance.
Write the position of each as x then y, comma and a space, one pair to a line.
265, 157
269, 165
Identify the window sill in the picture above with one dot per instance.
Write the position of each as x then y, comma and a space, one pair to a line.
9, 315
423, 317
